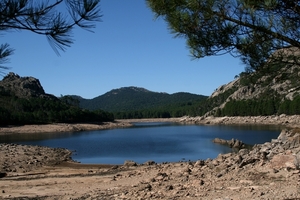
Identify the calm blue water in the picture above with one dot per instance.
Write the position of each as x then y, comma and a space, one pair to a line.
160, 142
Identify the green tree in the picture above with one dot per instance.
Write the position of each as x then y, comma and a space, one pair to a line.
44, 18
251, 30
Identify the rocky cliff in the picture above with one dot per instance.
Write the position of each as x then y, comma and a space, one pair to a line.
280, 80
22, 87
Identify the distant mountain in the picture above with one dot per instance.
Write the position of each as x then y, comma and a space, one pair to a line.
136, 98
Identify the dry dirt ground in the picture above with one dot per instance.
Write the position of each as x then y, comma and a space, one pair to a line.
268, 171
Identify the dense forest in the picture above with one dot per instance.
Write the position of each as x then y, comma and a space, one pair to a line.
249, 107
136, 98
190, 108
135, 102
174, 110
279, 93
261, 106
18, 111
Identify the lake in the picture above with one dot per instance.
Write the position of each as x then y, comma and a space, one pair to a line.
160, 142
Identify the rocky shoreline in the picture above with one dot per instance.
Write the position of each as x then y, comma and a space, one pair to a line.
268, 171
281, 120
16, 158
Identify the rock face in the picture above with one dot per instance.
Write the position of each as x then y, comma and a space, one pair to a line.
282, 82
22, 87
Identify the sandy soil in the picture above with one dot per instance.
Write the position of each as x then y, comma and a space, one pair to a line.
62, 127
269, 171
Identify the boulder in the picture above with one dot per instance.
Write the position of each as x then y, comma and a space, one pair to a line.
233, 143
130, 163
285, 161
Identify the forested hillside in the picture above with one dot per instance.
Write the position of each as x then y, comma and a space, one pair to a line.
23, 101
273, 89
135, 102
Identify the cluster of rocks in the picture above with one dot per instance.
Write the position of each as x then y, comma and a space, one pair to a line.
280, 153
24, 158
283, 120
250, 174
233, 143
267, 171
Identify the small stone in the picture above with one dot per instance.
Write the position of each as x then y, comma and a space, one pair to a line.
2, 174
130, 163
187, 170
199, 163
152, 180
201, 182
115, 167
150, 162
169, 187
148, 187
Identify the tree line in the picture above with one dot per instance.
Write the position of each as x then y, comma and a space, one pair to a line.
19, 111
174, 110
261, 106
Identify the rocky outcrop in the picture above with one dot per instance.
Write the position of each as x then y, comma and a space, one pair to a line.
280, 153
233, 143
22, 87
281, 81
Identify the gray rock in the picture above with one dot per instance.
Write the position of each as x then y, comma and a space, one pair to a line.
169, 187
187, 170
283, 135
243, 152
199, 163
23, 87
150, 162
233, 143
130, 163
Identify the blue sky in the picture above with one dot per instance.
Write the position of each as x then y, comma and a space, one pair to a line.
128, 48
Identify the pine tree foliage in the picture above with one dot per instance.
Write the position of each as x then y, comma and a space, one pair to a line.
251, 30
47, 18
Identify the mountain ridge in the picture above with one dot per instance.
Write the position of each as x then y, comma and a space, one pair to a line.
135, 98
274, 89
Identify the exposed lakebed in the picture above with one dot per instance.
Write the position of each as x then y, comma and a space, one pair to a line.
160, 142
